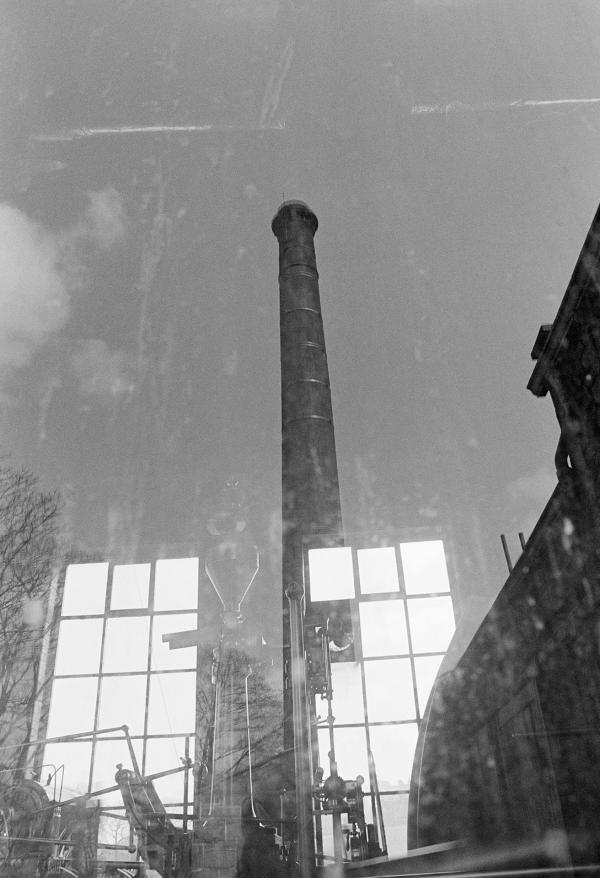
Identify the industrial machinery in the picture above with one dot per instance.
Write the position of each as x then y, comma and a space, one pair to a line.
45, 835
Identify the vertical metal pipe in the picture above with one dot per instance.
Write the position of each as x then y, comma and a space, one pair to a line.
506, 553
186, 776
311, 498
301, 736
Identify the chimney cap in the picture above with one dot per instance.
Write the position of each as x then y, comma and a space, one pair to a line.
288, 209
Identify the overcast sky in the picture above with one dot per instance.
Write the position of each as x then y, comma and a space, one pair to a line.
450, 151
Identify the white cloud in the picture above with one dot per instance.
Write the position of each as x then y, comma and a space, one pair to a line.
102, 372
34, 289
105, 218
39, 270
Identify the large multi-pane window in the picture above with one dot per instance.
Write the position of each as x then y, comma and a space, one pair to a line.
404, 620
112, 668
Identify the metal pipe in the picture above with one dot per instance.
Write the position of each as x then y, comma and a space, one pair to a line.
186, 776
301, 734
509, 563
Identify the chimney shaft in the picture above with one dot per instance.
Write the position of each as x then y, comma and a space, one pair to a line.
310, 488
311, 497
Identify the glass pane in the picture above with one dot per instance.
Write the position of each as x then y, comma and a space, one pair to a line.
75, 757
176, 584
107, 756
172, 703
424, 567
164, 754
114, 831
350, 753
395, 819
331, 574
390, 693
426, 668
383, 628
431, 623
85, 589
377, 570
393, 749
130, 586
123, 702
347, 704
78, 649
126, 644
72, 706
163, 658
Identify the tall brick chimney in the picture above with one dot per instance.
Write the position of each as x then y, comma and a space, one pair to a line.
310, 488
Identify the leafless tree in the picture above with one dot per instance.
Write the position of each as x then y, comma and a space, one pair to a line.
29, 522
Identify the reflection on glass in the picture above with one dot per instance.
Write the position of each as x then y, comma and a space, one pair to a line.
377, 570
390, 693
395, 818
426, 668
76, 758
126, 644
431, 623
123, 702
347, 704
107, 756
164, 754
393, 749
176, 584
163, 658
113, 830
78, 649
331, 574
72, 705
424, 566
130, 586
383, 628
85, 589
172, 703
350, 753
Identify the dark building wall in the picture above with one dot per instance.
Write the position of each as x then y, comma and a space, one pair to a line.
509, 749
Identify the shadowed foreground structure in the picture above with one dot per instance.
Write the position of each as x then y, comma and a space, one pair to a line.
509, 751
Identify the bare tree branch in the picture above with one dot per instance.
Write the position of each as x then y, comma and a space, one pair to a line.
29, 523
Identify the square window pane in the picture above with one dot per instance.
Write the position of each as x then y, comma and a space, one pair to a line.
123, 702
111, 830
424, 567
426, 668
176, 584
78, 649
390, 693
395, 820
347, 703
377, 570
72, 706
85, 589
107, 755
350, 753
331, 574
130, 586
431, 623
393, 749
126, 644
76, 758
172, 703
163, 658
383, 628
163, 754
